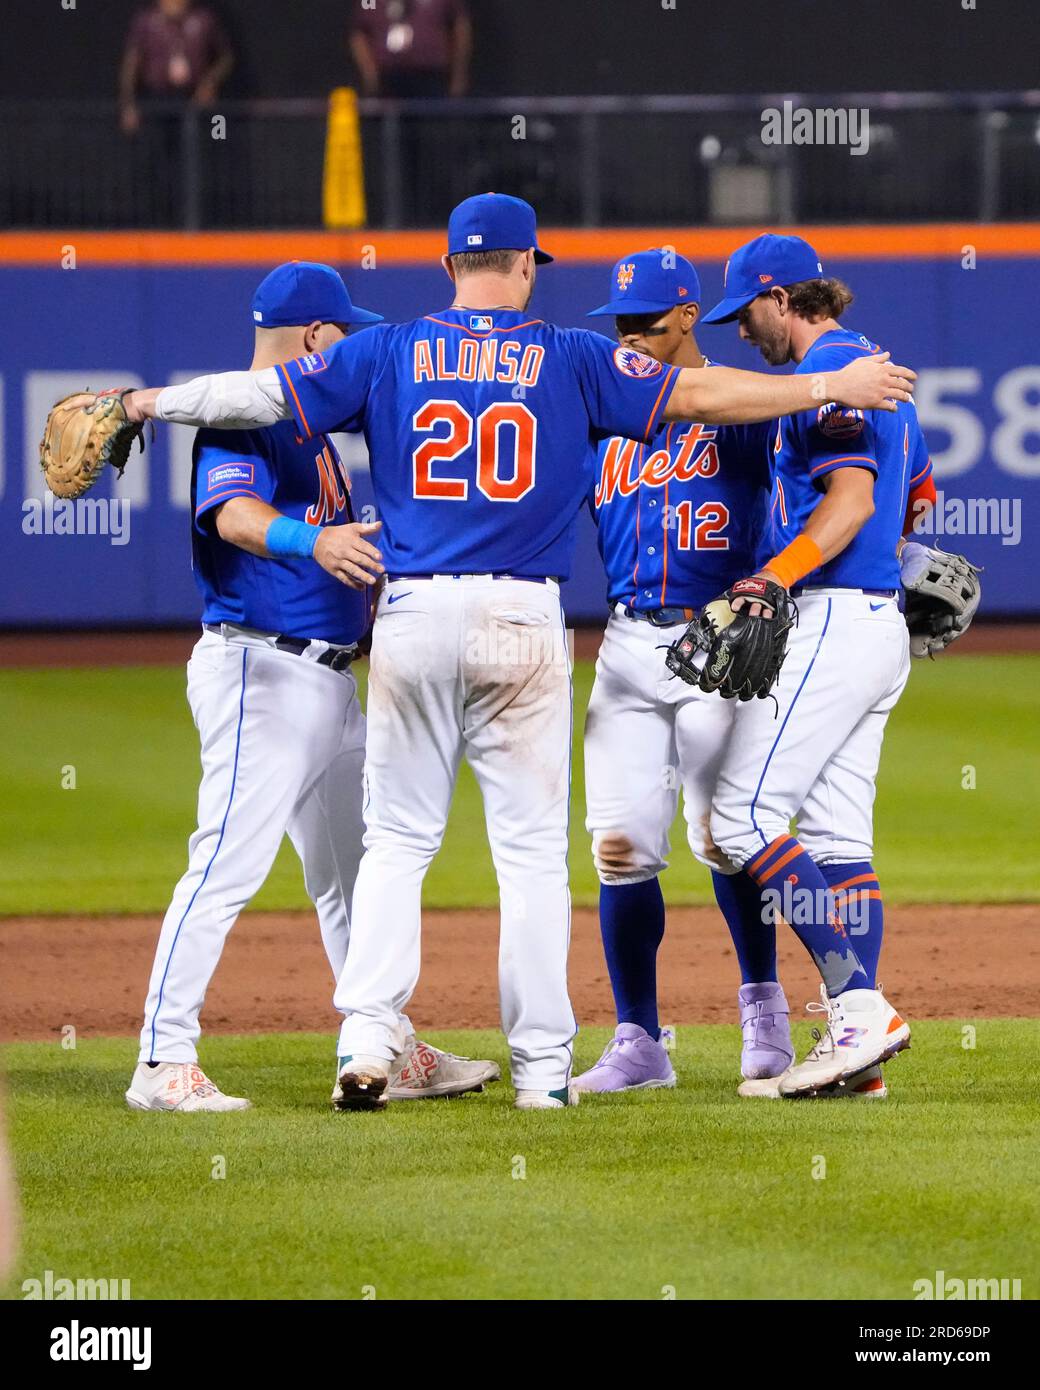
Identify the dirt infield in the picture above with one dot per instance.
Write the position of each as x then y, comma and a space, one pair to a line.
939, 962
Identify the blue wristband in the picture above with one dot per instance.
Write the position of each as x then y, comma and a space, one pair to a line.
287, 539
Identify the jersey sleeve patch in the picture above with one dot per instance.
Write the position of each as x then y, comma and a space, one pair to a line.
636, 364
227, 474
311, 363
839, 422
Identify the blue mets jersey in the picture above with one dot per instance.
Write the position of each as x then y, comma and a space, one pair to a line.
307, 482
480, 428
680, 519
807, 447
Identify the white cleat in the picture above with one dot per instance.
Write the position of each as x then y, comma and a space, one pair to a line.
361, 1083
178, 1086
547, 1100
862, 1030
423, 1072
764, 1088
867, 1085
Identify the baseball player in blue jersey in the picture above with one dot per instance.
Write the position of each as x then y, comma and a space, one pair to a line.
841, 483
480, 422
678, 521
275, 703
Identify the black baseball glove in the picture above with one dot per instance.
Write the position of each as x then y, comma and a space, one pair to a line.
742, 655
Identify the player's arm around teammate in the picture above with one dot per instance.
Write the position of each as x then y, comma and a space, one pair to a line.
398, 385
274, 701
841, 481
242, 400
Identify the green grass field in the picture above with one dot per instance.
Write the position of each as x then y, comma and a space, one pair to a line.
626, 1197
690, 1193
118, 841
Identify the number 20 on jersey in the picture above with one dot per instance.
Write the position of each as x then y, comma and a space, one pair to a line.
505, 435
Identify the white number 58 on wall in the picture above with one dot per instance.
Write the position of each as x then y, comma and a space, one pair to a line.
1015, 442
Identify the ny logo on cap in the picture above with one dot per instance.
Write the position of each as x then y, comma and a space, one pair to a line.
625, 274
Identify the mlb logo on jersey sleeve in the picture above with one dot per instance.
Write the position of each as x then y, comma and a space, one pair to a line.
839, 422
313, 362
229, 473
637, 364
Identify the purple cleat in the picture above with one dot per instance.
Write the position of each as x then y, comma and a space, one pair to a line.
767, 1049
632, 1062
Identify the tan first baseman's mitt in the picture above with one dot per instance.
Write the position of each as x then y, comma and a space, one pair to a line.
82, 434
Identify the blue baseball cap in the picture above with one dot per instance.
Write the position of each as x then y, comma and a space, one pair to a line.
494, 222
649, 282
756, 267
305, 292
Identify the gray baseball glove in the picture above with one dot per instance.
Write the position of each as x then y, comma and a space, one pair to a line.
942, 595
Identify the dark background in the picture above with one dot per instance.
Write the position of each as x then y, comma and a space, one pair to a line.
557, 47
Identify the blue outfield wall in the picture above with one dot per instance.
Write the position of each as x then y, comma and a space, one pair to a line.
970, 333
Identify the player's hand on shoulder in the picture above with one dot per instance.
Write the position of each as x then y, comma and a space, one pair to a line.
870, 383
348, 556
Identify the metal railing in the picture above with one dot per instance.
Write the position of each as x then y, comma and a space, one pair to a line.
588, 161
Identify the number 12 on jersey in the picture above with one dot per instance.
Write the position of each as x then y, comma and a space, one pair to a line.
712, 519
505, 435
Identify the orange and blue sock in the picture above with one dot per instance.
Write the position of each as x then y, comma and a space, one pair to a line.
752, 928
631, 921
798, 892
857, 898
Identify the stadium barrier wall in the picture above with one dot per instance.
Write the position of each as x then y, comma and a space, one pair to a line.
94, 310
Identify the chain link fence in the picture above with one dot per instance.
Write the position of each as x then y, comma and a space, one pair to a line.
580, 161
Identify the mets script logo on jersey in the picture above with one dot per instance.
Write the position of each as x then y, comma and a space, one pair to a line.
839, 421
637, 364
333, 486
313, 362
624, 275
229, 473
481, 323
696, 456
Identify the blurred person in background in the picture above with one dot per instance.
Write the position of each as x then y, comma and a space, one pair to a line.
412, 48
175, 51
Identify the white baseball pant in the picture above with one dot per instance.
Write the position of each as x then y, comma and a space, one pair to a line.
282, 751
648, 734
478, 668
815, 755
